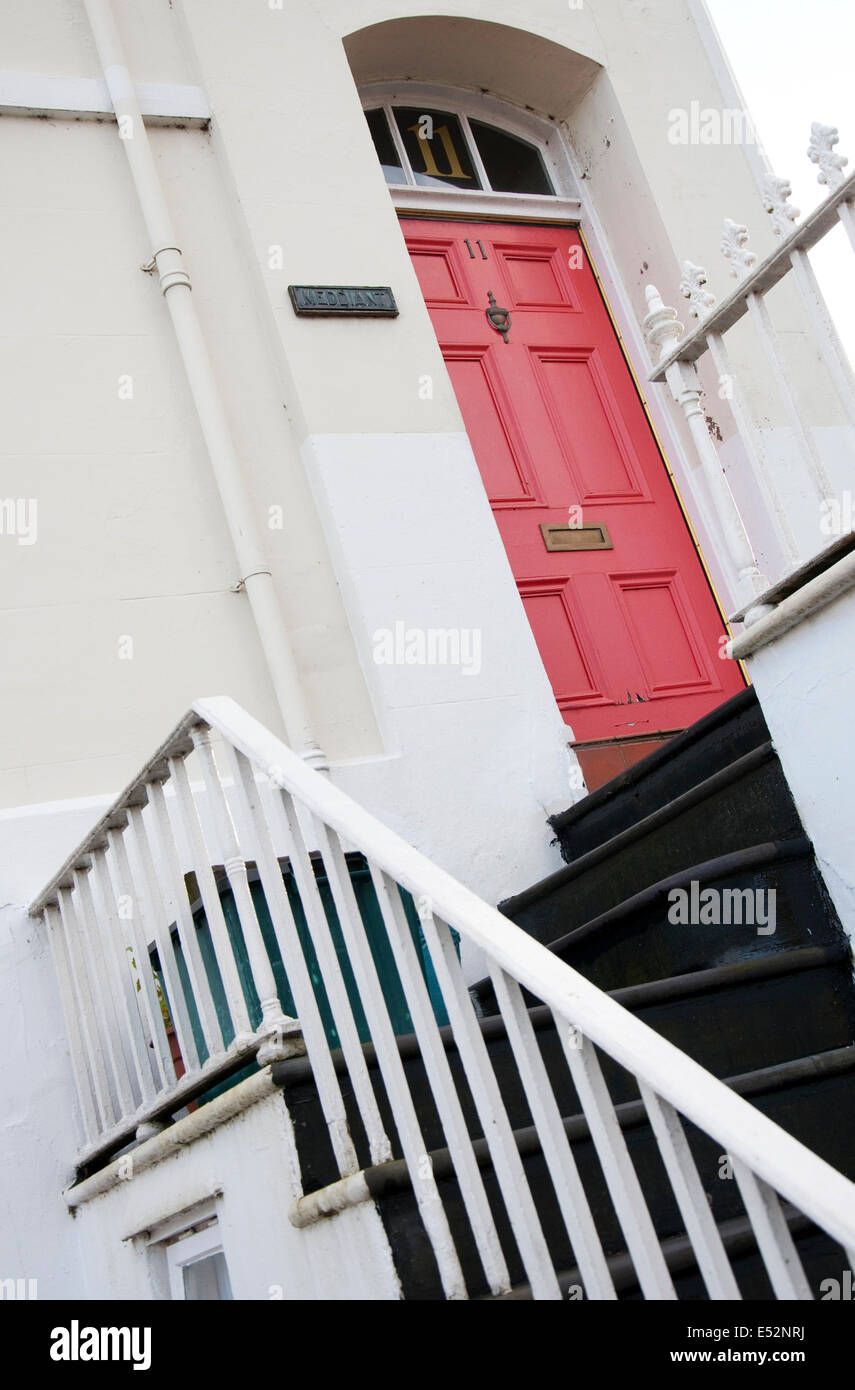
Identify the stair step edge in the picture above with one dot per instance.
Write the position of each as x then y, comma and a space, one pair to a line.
737, 1238
686, 801
383, 1179
737, 861
641, 771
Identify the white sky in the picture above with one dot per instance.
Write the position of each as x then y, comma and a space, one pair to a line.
793, 60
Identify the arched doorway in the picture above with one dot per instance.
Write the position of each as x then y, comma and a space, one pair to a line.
615, 589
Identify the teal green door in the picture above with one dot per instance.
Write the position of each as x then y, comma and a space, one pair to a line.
375, 931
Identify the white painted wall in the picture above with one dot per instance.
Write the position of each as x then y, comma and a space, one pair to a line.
249, 1162
804, 683
39, 1122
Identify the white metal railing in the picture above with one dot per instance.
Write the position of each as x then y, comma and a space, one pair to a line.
122, 900
678, 354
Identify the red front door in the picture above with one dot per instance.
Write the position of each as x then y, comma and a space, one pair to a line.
629, 635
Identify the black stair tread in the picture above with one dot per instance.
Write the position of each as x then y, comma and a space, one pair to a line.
694, 982
753, 857
825, 1081
728, 731
736, 1234
644, 827
394, 1175
635, 940
726, 976
739, 1001
295, 1070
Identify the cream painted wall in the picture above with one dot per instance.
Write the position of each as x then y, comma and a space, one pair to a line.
131, 537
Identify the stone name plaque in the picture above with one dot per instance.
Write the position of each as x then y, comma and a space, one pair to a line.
375, 301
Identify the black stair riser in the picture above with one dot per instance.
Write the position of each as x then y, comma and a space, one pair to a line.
711, 744
632, 947
745, 812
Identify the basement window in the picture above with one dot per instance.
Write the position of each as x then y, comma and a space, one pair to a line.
197, 1267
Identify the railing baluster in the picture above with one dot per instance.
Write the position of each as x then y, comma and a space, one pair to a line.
120, 872
441, 1081
759, 314
149, 893
299, 980
846, 213
663, 330
78, 955
618, 1171
389, 1061
202, 862
833, 353
76, 1039
379, 1146
772, 1234
272, 1017
498, 1131
118, 958
570, 1194
213, 1028
753, 444
691, 1198
102, 963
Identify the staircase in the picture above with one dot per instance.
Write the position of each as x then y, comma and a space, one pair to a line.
771, 1012
625, 1106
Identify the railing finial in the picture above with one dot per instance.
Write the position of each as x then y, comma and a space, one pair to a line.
734, 248
692, 287
662, 328
820, 151
776, 192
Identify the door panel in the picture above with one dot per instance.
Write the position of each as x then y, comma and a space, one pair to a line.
629, 634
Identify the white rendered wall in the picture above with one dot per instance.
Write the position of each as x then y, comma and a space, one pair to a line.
39, 1132
804, 683
249, 1161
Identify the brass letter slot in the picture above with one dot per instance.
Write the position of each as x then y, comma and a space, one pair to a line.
594, 537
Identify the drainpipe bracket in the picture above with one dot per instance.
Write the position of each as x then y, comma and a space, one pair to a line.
241, 583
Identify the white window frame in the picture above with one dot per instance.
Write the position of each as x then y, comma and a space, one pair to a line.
562, 206
189, 1250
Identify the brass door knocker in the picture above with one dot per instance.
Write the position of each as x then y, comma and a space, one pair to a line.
498, 318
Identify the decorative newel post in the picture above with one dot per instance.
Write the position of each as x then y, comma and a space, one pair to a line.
663, 331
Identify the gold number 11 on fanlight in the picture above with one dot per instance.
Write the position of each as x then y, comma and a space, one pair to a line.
455, 169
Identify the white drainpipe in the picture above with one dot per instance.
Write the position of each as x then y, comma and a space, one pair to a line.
255, 574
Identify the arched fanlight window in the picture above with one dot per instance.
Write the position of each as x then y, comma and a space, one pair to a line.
438, 149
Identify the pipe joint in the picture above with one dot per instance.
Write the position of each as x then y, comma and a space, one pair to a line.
171, 278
